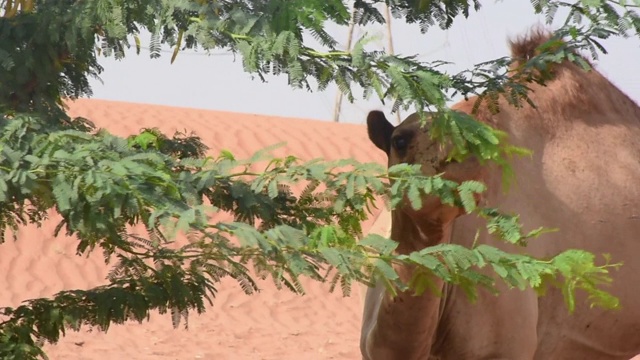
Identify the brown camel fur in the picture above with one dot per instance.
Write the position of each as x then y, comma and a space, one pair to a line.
583, 178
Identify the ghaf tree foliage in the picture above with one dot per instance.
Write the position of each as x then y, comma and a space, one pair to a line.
100, 185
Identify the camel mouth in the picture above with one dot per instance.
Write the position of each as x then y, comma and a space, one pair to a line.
442, 164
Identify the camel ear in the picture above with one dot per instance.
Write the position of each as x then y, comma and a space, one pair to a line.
380, 130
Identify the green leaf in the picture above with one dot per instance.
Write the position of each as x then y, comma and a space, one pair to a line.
379, 243
592, 3
63, 193
466, 191
500, 270
428, 261
226, 154
350, 191
3, 190
333, 257
273, 189
414, 197
385, 269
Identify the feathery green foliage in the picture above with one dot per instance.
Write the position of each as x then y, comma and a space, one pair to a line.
102, 185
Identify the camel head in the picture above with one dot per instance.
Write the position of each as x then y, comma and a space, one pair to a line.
411, 143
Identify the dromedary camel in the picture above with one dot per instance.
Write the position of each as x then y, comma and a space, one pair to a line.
583, 178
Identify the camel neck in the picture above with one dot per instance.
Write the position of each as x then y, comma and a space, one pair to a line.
408, 323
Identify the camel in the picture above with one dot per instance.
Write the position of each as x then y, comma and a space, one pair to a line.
583, 178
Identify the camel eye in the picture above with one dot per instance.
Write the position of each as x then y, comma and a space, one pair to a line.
400, 143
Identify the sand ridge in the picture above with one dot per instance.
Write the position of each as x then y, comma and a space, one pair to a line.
269, 325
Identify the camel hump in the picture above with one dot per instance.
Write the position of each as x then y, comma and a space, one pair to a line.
524, 46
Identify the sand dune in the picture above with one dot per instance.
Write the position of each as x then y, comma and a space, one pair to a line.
269, 325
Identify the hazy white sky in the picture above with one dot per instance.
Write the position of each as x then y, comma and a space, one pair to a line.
218, 82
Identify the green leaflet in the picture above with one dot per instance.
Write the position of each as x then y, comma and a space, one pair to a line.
63, 193
426, 260
4, 195
334, 257
414, 197
466, 191
385, 269
379, 243
350, 191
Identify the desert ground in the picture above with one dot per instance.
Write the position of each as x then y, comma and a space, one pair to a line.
269, 325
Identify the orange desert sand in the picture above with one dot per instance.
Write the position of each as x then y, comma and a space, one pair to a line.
269, 325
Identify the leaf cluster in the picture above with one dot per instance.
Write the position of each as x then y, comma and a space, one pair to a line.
271, 37
102, 185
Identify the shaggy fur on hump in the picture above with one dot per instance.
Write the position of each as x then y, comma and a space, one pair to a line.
524, 47
571, 94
